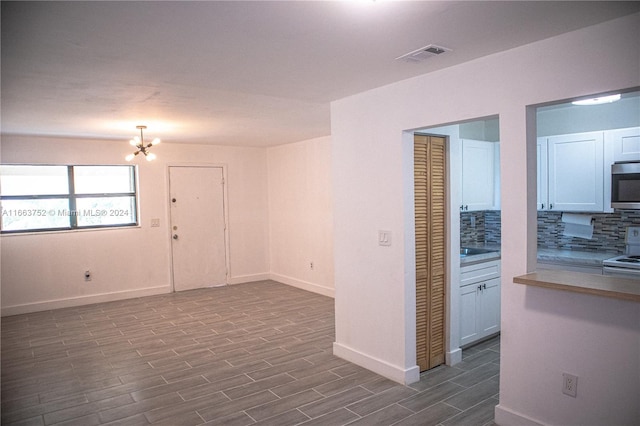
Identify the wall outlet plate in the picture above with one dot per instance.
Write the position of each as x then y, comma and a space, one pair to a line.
569, 384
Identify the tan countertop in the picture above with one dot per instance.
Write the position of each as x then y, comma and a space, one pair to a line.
597, 285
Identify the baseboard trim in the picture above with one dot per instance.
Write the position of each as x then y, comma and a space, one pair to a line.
151, 291
242, 279
383, 368
506, 417
453, 357
304, 285
82, 300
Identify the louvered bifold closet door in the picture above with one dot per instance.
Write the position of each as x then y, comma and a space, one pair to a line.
430, 219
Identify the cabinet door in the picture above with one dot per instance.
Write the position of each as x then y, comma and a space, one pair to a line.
543, 179
469, 313
477, 175
576, 178
489, 318
626, 144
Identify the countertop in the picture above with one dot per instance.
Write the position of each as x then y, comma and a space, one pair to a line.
573, 257
545, 255
597, 285
484, 257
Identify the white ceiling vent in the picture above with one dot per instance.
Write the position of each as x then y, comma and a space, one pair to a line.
423, 53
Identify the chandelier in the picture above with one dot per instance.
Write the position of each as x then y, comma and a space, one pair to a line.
138, 143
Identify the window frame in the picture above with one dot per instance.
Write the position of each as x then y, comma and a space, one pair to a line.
72, 198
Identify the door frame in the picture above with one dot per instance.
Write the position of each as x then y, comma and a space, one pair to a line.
225, 199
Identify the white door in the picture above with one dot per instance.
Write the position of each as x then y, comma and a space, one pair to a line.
197, 227
626, 144
576, 179
543, 180
477, 175
489, 319
469, 305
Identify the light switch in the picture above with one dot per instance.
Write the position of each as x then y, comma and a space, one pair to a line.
155, 223
384, 238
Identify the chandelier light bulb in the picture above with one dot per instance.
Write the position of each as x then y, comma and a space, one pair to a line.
151, 156
133, 142
129, 157
156, 141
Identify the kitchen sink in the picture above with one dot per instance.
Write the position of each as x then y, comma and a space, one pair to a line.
471, 255
472, 251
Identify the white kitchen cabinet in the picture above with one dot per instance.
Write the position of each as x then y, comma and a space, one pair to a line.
478, 175
469, 315
479, 301
489, 308
625, 143
575, 172
543, 179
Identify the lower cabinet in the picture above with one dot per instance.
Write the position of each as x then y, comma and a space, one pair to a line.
479, 301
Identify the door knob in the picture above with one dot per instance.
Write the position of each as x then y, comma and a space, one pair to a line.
175, 236
173, 200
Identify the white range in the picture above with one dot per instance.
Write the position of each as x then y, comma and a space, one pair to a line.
626, 265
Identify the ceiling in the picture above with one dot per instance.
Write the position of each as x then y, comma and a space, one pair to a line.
248, 73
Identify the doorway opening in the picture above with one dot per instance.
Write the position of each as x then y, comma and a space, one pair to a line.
577, 142
471, 236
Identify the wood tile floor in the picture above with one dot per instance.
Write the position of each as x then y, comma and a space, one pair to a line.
258, 353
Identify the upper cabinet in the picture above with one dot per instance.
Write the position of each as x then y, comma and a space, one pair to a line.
578, 143
625, 143
543, 179
574, 172
479, 181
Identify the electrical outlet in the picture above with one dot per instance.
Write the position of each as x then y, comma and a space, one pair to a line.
311, 265
569, 384
87, 275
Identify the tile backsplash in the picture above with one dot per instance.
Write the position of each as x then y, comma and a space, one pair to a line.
480, 227
608, 231
483, 227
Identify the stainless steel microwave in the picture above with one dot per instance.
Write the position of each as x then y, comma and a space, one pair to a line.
625, 185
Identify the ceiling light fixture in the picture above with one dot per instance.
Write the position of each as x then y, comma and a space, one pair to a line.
138, 142
598, 101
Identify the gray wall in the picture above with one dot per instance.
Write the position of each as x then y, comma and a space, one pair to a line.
568, 118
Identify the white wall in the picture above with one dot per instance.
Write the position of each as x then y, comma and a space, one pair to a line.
374, 285
301, 215
43, 271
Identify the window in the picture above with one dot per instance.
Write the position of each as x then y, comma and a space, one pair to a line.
46, 198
